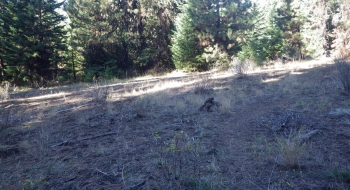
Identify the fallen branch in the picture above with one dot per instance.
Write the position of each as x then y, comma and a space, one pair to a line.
137, 186
104, 173
65, 143
61, 111
310, 134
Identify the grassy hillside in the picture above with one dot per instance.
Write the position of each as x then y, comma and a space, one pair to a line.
279, 127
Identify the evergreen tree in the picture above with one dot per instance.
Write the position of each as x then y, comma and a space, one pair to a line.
34, 41
290, 22
154, 25
3, 37
214, 26
115, 37
341, 31
185, 49
93, 36
314, 31
264, 40
219, 21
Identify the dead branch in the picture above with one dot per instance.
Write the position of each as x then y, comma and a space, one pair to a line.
104, 173
61, 111
70, 142
137, 186
310, 134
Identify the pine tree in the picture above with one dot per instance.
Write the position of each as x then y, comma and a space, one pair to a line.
115, 37
290, 22
185, 49
341, 30
214, 26
94, 25
264, 41
34, 41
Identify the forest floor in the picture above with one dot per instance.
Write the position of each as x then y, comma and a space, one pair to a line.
280, 127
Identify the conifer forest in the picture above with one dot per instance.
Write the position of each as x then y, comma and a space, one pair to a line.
43, 41
175, 94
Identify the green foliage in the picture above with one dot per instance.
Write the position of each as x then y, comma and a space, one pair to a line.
289, 20
33, 41
206, 31
264, 41
217, 56
117, 36
185, 51
263, 45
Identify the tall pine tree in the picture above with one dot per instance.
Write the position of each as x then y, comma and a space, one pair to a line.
185, 49
216, 24
290, 22
34, 41
264, 41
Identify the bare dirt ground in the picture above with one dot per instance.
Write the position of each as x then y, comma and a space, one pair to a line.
280, 127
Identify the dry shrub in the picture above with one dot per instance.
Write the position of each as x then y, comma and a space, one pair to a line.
204, 86
225, 100
100, 95
180, 163
343, 67
241, 67
291, 150
4, 91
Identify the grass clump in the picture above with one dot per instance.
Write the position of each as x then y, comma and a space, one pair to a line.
195, 184
291, 151
4, 91
343, 67
342, 175
180, 165
240, 67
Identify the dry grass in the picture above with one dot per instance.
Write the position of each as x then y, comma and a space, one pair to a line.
291, 151
161, 140
4, 91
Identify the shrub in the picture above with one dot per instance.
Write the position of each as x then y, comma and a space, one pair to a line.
240, 67
291, 150
343, 67
4, 91
341, 174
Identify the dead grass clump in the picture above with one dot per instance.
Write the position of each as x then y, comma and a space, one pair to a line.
343, 67
99, 94
241, 67
291, 151
146, 103
225, 100
180, 165
4, 91
204, 86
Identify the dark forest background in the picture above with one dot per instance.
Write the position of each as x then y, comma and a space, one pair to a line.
123, 38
